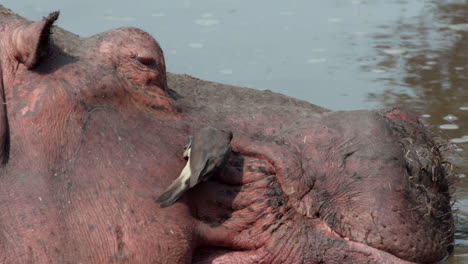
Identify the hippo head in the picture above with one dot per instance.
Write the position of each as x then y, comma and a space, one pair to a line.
93, 129
358, 182
104, 72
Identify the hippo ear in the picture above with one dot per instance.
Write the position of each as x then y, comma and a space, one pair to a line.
31, 41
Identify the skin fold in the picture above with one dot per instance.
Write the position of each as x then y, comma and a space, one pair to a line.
93, 130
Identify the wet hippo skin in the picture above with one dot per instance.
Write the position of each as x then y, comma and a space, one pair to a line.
93, 129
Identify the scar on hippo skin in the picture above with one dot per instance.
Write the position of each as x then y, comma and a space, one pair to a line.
206, 152
31, 41
4, 127
397, 113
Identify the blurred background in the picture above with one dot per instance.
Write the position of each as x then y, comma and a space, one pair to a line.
339, 54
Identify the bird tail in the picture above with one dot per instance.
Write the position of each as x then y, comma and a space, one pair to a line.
177, 188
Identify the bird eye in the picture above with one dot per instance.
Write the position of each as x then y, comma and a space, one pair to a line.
147, 61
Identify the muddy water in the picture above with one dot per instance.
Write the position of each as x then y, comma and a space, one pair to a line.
341, 54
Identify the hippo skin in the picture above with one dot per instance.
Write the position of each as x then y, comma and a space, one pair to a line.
92, 130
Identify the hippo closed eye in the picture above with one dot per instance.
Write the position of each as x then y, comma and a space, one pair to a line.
92, 130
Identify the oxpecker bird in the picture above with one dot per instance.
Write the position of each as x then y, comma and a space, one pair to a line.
206, 152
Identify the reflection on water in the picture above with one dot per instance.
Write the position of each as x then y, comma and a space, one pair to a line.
341, 54
433, 71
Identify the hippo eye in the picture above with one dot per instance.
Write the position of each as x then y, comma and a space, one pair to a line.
147, 61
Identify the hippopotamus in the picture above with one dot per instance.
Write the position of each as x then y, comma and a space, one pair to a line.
93, 129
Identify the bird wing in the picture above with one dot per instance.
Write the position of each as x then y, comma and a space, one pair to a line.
208, 150
198, 171
177, 188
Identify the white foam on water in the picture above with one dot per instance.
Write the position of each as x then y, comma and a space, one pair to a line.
449, 126
360, 33
206, 22
463, 139
158, 14
458, 27
450, 118
335, 20
225, 71
318, 50
195, 45
119, 18
207, 15
316, 60
394, 51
